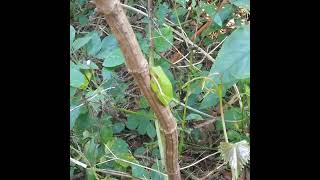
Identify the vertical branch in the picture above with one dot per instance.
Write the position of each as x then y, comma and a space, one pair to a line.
138, 66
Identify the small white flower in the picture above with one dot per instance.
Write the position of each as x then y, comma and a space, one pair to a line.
88, 62
189, 8
202, 9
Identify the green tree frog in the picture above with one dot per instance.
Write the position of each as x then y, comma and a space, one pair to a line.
161, 85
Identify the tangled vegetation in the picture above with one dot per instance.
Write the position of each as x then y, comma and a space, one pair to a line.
202, 48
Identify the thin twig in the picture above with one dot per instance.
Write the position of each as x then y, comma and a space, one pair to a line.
78, 162
116, 173
192, 109
204, 57
134, 9
199, 161
191, 43
206, 176
123, 160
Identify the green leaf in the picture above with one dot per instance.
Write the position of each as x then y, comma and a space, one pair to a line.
118, 127
73, 116
118, 146
193, 117
196, 135
106, 74
237, 155
143, 103
109, 42
210, 10
162, 12
241, 3
233, 114
209, 101
195, 87
111, 58
151, 131
156, 175
139, 151
83, 20
180, 11
138, 171
225, 12
143, 125
182, 2
162, 41
234, 136
133, 121
80, 42
77, 79
72, 34
90, 151
94, 45
233, 60
83, 122
106, 134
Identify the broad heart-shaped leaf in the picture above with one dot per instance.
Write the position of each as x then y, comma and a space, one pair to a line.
163, 41
94, 45
72, 34
77, 79
109, 42
241, 3
233, 60
112, 57
80, 42
209, 101
237, 155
